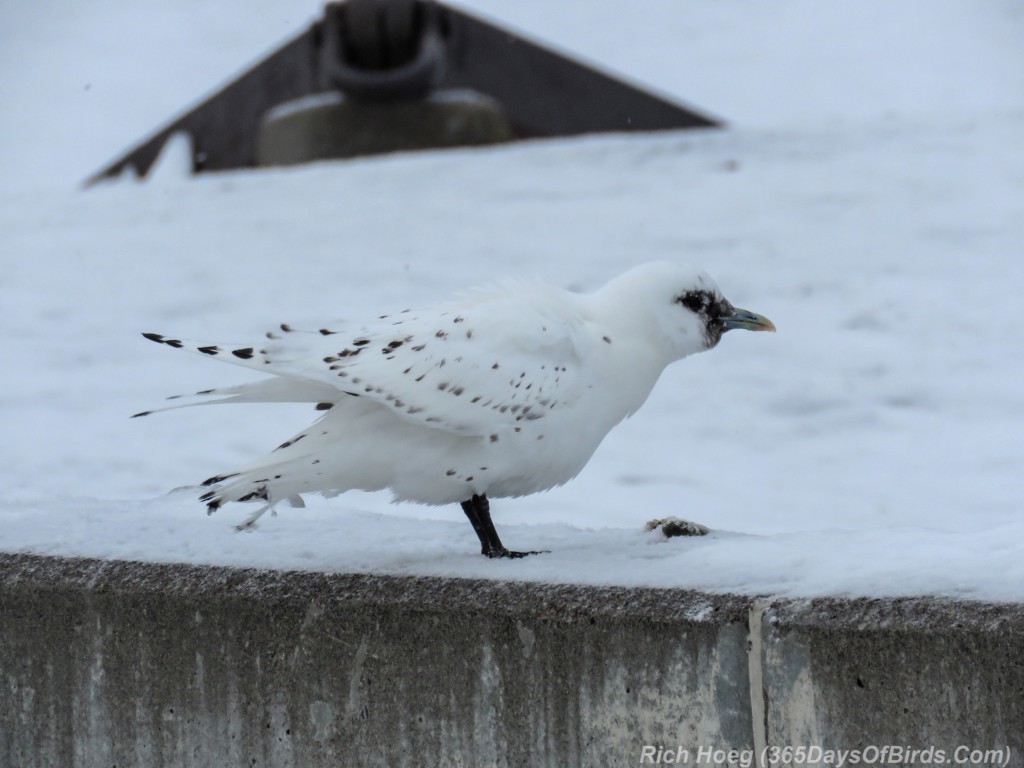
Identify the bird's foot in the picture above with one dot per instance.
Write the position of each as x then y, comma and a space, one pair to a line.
674, 526
249, 524
511, 554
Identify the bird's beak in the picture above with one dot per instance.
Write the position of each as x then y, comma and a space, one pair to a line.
748, 321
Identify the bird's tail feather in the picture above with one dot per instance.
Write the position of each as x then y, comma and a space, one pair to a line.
279, 388
274, 390
275, 478
247, 357
254, 483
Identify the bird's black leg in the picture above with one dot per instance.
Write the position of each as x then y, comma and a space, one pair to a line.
478, 510
469, 507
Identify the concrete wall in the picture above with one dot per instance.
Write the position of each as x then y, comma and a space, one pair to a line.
914, 673
130, 664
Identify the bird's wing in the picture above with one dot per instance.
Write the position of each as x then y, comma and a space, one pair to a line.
488, 363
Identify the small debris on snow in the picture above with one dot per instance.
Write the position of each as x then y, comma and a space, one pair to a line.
674, 526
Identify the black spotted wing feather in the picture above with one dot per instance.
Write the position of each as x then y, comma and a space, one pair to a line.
468, 368
490, 362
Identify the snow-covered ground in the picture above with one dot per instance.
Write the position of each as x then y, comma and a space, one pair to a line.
868, 197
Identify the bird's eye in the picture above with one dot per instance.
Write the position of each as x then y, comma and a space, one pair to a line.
695, 301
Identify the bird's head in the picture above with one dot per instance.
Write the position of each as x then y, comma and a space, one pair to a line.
678, 307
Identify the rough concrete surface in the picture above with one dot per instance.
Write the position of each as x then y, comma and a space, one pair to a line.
131, 664
107, 663
915, 673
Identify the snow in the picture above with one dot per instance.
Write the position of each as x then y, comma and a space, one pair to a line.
866, 197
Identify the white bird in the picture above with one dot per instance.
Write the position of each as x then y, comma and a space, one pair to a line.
504, 392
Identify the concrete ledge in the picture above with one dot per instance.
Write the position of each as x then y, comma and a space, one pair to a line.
130, 664
138, 664
917, 672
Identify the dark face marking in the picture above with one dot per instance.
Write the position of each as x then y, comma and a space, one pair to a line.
696, 301
324, 406
711, 309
